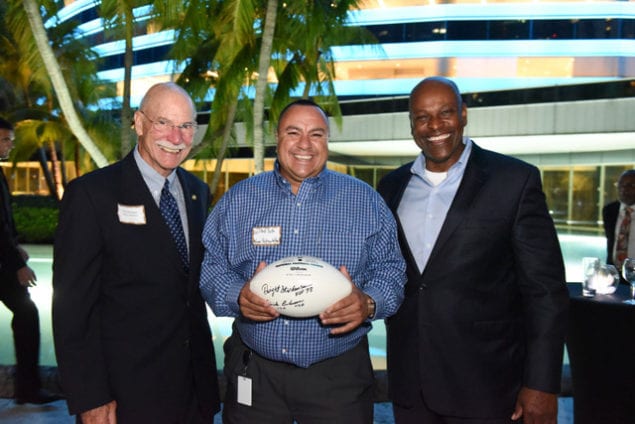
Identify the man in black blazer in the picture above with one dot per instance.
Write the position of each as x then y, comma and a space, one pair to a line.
480, 334
613, 214
130, 327
15, 279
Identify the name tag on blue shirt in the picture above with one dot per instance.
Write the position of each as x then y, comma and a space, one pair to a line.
266, 236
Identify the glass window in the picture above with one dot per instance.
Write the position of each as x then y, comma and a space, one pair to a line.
555, 185
365, 174
388, 33
627, 30
585, 196
426, 31
473, 30
598, 28
561, 29
370, 175
509, 30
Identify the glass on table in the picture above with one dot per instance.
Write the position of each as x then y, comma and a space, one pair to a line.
590, 267
606, 279
628, 272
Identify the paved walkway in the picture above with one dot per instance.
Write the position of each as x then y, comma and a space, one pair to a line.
56, 413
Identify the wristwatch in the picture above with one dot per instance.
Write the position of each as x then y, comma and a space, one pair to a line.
371, 307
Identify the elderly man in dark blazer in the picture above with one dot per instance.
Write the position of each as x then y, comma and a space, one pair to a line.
130, 327
479, 337
613, 215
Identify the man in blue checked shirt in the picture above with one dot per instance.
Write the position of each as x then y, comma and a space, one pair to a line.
311, 370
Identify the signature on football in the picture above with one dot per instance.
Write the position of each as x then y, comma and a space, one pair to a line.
296, 289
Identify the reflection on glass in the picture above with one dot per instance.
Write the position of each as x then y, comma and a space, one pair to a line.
628, 271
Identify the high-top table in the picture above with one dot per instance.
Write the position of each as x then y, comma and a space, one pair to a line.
601, 347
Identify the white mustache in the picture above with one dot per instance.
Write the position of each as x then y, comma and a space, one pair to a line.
171, 146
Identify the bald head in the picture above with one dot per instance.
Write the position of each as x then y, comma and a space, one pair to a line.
434, 81
165, 125
161, 91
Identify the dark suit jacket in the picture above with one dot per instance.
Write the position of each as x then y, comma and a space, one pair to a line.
10, 258
129, 323
488, 313
610, 213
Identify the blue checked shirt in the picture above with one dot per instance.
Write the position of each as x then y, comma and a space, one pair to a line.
334, 217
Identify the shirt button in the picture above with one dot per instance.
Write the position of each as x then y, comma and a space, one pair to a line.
286, 322
284, 351
296, 231
298, 204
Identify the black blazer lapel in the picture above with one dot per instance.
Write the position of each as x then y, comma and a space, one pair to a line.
193, 199
133, 190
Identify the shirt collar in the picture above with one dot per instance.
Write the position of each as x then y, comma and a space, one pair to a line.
283, 183
153, 179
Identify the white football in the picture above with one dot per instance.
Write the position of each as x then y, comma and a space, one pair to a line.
300, 286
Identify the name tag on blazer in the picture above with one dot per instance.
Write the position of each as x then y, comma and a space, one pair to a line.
131, 214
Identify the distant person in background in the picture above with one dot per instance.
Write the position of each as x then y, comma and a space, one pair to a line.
132, 339
15, 279
619, 222
479, 337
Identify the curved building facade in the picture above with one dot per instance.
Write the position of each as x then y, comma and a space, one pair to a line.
532, 54
483, 45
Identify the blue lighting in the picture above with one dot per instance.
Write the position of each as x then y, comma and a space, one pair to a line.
489, 48
485, 11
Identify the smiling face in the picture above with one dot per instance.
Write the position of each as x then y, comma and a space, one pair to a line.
437, 119
164, 147
302, 138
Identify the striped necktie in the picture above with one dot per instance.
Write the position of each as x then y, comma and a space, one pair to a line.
621, 244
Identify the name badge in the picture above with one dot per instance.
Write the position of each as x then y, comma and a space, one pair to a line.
244, 391
266, 236
135, 215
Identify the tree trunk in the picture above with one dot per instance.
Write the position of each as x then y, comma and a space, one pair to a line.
57, 172
126, 110
59, 84
48, 177
231, 114
261, 85
77, 155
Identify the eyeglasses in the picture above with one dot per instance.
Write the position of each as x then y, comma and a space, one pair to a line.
163, 125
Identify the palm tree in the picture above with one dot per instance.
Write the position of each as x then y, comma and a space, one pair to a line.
42, 135
31, 104
305, 31
60, 87
119, 20
266, 47
218, 46
221, 51
308, 58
